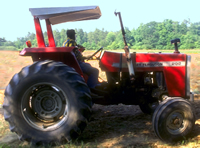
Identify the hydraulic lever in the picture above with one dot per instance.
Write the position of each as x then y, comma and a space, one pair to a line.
126, 49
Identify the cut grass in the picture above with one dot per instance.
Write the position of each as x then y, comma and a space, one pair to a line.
4, 126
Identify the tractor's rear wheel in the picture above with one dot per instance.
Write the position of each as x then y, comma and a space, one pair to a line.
47, 102
173, 119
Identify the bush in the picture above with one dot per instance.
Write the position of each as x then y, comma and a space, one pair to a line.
10, 48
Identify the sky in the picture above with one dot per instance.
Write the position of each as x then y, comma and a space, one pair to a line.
16, 20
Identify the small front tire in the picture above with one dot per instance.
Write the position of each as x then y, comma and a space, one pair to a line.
173, 119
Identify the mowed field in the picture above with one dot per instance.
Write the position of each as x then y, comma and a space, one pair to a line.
110, 126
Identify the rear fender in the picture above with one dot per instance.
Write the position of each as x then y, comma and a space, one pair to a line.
62, 54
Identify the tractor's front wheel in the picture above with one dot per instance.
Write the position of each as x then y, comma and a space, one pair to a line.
47, 102
173, 119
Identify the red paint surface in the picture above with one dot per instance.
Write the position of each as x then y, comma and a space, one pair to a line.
61, 54
174, 76
50, 34
39, 34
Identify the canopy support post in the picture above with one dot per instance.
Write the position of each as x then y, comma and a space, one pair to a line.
39, 34
50, 34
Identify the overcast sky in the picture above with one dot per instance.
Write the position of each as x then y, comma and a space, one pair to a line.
17, 21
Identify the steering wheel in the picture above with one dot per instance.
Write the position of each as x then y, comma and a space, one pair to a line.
95, 53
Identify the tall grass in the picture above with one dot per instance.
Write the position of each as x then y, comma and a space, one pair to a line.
4, 126
8, 48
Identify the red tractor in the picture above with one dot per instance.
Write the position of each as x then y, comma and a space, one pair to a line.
49, 101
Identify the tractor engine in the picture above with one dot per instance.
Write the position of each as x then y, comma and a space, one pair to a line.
157, 75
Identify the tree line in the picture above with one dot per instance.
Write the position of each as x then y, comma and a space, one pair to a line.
153, 35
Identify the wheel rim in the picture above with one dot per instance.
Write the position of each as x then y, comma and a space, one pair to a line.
45, 106
176, 122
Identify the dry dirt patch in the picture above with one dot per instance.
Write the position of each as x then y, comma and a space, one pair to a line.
121, 126
11, 63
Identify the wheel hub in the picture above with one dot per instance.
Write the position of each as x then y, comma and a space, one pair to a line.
175, 122
47, 104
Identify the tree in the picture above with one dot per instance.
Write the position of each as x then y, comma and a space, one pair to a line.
30, 36
80, 36
2, 40
57, 38
110, 37
63, 36
152, 35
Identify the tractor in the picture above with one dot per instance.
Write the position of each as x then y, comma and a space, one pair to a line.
49, 101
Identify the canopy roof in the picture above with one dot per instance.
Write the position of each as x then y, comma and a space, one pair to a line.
57, 15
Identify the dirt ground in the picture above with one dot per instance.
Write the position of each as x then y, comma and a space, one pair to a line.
119, 126
110, 126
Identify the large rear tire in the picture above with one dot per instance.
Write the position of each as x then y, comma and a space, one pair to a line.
173, 119
47, 102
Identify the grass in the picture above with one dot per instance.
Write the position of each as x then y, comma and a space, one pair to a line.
10, 48
4, 127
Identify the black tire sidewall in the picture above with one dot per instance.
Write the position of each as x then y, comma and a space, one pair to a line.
64, 85
161, 117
